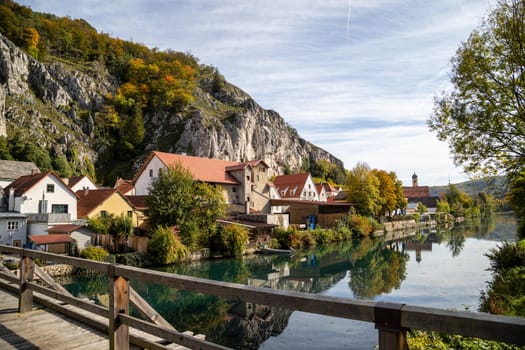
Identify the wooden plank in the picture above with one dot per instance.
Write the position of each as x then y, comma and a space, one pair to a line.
88, 306
25, 299
146, 310
42, 329
170, 335
118, 305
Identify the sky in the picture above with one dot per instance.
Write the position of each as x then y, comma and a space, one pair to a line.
356, 78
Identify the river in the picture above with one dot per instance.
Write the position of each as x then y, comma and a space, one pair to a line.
436, 268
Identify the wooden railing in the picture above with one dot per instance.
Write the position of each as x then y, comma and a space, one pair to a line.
392, 320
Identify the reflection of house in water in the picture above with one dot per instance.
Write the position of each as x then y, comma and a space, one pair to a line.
425, 245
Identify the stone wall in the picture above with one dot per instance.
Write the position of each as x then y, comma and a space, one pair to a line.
399, 225
58, 270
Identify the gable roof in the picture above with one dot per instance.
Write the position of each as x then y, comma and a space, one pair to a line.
64, 228
416, 192
138, 202
51, 239
26, 182
88, 200
203, 169
73, 180
12, 169
288, 183
123, 186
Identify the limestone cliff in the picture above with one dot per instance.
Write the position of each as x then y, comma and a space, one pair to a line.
56, 105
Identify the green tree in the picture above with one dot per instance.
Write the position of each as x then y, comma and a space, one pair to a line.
483, 117
171, 197
176, 199
421, 208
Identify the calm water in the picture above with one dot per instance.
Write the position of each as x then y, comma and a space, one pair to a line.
438, 268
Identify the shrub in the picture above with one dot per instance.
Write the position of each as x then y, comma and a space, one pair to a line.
94, 253
165, 247
361, 225
230, 240
283, 237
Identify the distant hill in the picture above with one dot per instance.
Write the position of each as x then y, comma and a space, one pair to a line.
495, 186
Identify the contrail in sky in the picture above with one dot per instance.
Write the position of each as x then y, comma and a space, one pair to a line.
348, 21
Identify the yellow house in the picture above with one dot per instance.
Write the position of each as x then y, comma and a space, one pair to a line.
93, 203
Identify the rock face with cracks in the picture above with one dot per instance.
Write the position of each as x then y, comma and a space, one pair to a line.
56, 105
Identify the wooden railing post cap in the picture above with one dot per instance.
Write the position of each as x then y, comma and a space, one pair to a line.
387, 316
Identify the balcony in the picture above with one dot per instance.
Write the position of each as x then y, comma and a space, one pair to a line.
50, 218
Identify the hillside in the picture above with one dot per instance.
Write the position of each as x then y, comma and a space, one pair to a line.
78, 101
495, 186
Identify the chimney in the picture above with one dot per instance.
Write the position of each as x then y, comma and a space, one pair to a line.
11, 205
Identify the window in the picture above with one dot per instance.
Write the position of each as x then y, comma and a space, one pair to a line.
50, 188
12, 225
130, 213
103, 213
248, 177
59, 208
234, 189
151, 173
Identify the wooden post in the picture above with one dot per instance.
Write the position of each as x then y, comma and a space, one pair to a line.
388, 322
118, 304
25, 298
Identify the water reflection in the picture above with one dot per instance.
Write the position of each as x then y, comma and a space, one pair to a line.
368, 268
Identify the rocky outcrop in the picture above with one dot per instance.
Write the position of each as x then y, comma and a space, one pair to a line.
56, 106
235, 127
3, 130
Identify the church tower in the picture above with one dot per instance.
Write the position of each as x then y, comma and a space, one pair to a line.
414, 180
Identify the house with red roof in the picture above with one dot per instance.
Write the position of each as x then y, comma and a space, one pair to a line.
296, 186
44, 198
244, 184
416, 194
103, 202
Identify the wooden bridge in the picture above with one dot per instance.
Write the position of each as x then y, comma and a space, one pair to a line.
121, 331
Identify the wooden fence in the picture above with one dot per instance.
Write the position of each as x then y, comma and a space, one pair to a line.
136, 243
392, 320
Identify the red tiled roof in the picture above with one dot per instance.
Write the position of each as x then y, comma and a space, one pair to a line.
90, 199
51, 239
138, 202
124, 186
24, 183
203, 169
416, 192
72, 181
64, 228
290, 182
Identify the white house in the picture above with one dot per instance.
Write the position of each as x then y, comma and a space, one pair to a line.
81, 182
244, 184
13, 229
296, 186
44, 198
